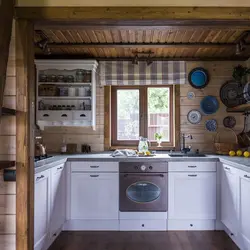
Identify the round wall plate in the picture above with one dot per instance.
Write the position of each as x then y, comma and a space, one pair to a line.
229, 122
247, 92
198, 78
209, 105
194, 116
190, 95
211, 125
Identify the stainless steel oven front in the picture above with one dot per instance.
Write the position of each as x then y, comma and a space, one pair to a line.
143, 186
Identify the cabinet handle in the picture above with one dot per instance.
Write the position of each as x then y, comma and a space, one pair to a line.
227, 168
246, 176
192, 166
192, 175
82, 115
39, 177
46, 115
94, 166
59, 168
64, 115
94, 175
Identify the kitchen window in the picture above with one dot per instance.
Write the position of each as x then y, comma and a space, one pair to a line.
141, 111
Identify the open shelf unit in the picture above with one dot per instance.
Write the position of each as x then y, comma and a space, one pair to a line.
240, 109
7, 164
71, 103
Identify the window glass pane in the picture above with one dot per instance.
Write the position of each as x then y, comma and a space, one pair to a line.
128, 114
158, 113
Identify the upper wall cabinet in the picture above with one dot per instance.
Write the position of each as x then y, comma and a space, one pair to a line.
66, 93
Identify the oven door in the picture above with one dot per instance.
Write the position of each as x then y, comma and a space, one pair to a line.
143, 192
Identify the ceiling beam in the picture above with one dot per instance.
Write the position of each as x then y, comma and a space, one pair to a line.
83, 56
176, 14
144, 45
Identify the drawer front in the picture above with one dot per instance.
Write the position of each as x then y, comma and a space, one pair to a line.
192, 166
143, 225
49, 115
94, 166
82, 115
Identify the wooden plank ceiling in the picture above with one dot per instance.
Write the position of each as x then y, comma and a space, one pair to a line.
197, 43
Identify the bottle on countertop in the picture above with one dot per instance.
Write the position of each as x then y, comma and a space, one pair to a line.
63, 147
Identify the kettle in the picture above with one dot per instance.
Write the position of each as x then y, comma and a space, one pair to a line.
40, 149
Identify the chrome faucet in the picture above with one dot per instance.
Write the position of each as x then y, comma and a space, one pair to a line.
184, 149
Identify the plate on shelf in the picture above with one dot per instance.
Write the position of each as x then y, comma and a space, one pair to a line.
194, 116
232, 94
211, 125
198, 78
229, 122
209, 105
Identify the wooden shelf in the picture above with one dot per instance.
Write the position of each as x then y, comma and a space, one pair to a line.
7, 164
71, 84
7, 111
64, 97
240, 109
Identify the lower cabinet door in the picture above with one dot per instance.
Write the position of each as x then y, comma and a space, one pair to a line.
244, 209
192, 195
58, 199
94, 195
42, 210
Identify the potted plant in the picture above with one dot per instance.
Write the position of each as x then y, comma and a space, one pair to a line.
158, 137
240, 73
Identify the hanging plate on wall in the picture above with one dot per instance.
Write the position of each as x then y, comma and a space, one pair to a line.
229, 122
198, 78
211, 125
190, 95
194, 116
247, 92
232, 94
209, 105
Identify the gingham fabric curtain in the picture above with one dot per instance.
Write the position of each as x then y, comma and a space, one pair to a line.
127, 73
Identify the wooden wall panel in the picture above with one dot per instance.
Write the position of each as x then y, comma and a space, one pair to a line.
219, 72
8, 152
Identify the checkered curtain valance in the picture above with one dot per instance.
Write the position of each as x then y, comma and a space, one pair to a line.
127, 73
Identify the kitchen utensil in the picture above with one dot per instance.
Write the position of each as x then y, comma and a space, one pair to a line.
222, 148
209, 105
243, 138
211, 125
194, 116
190, 95
229, 122
246, 92
198, 78
231, 94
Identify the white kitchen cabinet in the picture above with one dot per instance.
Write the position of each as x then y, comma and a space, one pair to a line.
244, 209
42, 210
192, 195
229, 190
94, 196
58, 200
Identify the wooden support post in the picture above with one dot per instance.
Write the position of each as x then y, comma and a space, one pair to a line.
24, 135
6, 19
107, 119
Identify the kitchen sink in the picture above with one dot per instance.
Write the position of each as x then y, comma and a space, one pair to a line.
186, 155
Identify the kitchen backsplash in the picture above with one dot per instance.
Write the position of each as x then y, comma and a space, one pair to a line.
219, 72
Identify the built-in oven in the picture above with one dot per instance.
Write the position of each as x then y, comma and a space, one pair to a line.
143, 186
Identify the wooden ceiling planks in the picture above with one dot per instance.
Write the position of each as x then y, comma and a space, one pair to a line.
144, 37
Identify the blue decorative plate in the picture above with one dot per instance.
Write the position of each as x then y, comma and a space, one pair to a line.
198, 78
209, 105
211, 125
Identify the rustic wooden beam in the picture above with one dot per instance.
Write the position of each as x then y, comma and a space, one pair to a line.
133, 13
6, 19
144, 45
83, 56
25, 135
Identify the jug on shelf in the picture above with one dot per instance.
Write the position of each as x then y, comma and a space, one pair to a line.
143, 144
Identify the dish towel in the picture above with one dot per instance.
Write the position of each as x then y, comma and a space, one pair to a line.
124, 152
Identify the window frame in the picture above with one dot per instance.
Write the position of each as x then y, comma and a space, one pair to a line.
143, 121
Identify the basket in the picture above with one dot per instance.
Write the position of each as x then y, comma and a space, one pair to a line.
222, 148
47, 90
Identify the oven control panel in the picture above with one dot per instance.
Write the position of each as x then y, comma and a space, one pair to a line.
137, 167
